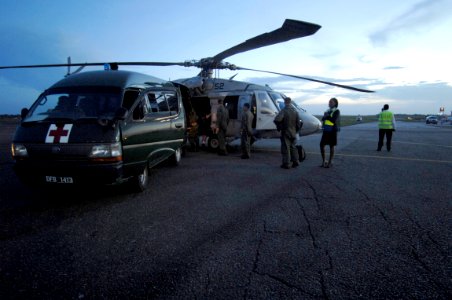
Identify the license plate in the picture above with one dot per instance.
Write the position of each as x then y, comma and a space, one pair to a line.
59, 179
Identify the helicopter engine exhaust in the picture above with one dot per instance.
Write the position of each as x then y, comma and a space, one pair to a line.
194, 82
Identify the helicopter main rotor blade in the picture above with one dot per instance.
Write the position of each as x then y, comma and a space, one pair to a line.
311, 79
291, 29
161, 64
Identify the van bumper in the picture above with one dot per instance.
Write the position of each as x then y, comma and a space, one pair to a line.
69, 173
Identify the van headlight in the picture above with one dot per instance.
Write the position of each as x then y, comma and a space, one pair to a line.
19, 150
106, 152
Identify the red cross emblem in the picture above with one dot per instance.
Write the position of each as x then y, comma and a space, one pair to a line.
58, 133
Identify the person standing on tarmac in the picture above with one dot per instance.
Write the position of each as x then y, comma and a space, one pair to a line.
222, 126
331, 120
246, 131
204, 128
288, 122
386, 125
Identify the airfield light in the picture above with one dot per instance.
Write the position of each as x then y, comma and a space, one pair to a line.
111, 66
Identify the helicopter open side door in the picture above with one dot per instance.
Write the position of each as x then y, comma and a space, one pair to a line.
246, 98
265, 109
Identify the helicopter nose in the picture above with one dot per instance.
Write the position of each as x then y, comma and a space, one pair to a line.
310, 125
319, 124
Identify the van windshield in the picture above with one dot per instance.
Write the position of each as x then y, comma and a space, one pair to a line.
74, 105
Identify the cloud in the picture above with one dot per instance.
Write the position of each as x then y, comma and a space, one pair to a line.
427, 92
27, 47
393, 68
287, 84
14, 96
421, 97
419, 16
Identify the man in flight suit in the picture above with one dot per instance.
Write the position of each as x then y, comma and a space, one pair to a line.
288, 122
222, 126
246, 131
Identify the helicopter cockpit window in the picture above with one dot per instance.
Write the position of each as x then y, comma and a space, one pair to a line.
298, 106
74, 105
266, 103
278, 99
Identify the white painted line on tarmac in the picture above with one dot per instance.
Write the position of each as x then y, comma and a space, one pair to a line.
390, 157
372, 156
399, 142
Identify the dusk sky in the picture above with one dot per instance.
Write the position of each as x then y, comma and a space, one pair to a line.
401, 49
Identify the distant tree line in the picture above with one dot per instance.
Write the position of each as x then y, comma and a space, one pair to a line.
6, 116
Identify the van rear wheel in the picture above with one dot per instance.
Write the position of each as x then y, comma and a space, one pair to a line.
176, 157
140, 181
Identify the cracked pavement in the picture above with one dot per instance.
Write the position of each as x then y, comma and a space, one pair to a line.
376, 225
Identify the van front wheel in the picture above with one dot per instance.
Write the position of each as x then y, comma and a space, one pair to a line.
140, 181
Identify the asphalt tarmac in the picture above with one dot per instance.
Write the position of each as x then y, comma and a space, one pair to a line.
376, 225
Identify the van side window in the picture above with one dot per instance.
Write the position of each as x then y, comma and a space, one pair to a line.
129, 99
157, 103
140, 111
162, 104
152, 103
173, 104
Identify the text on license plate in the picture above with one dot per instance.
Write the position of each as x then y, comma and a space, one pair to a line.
59, 179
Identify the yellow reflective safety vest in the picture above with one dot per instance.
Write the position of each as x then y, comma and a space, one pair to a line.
385, 120
327, 124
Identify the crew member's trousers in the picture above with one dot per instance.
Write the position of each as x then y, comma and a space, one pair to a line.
222, 142
288, 150
246, 144
382, 133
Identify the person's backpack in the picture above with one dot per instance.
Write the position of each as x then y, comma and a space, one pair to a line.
301, 153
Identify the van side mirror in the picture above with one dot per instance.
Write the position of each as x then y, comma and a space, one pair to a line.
24, 113
121, 113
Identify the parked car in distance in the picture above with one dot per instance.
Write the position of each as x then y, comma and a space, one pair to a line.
431, 120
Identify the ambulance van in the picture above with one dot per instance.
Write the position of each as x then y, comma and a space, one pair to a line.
101, 128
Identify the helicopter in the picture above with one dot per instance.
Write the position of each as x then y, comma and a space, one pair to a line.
202, 92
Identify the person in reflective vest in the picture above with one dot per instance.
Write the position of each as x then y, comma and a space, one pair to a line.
386, 125
331, 125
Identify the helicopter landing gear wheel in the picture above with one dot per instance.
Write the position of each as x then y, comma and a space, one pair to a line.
213, 142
